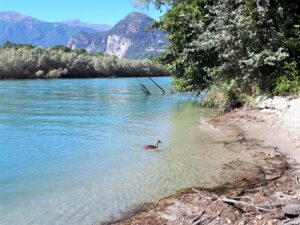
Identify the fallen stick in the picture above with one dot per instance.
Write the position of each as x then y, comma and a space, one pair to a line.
163, 91
197, 220
245, 197
145, 90
210, 220
228, 200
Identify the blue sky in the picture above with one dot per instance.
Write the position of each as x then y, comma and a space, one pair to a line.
92, 11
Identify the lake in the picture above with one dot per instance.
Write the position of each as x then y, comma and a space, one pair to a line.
71, 151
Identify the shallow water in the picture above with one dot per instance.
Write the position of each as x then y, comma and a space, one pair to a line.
71, 151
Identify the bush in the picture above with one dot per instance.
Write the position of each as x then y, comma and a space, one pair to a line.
57, 73
229, 95
289, 82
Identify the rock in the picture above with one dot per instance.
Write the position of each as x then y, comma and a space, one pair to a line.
270, 222
228, 221
259, 217
292, 209
295, 221
117, 45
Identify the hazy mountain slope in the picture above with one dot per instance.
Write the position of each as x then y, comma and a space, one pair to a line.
79, 23
18, 28
128, 38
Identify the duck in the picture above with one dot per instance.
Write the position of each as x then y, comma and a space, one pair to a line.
152, 147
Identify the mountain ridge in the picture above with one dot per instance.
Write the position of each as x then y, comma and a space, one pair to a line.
77, 22
128, 39
23, 29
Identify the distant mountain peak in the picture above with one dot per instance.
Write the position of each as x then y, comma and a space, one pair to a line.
77, 22
137, 14
13, 16
22, 29
72, 21
128, 38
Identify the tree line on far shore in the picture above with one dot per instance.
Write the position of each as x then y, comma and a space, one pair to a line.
22, 61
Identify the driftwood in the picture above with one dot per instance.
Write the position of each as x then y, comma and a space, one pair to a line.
258, 207
144, 89
163, 91
294, 221
197, 220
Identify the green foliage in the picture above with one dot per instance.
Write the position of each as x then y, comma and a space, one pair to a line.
289, 82
62, 48
246, 42
28, 62
158, 3
228, 95
218, 98
182, 57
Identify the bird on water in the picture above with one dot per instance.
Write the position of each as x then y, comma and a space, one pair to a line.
152, 147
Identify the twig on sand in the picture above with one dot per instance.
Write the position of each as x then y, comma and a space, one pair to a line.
245, 197
197, 191
197, 220
210, 220
258, 207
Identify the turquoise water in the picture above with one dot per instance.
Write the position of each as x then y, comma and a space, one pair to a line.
71, 151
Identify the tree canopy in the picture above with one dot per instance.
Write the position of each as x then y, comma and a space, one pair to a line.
242, 42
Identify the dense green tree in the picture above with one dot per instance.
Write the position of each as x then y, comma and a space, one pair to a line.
242, 42
159, 3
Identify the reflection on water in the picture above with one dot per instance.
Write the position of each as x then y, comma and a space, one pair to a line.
72, 150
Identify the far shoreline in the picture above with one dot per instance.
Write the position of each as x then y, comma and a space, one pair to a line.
81, 78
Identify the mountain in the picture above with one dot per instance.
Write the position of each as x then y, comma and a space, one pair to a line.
128, 39
18, 28
79, 23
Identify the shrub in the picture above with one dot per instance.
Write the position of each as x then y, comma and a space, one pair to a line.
39, 73
56, 73
228, 95
289, 82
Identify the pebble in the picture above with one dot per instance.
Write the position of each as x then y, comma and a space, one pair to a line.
259, 217
292, 209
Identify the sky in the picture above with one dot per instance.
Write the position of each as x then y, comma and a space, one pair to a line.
91, 11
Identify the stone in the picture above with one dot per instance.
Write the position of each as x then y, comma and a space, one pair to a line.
292, 209
259, 217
